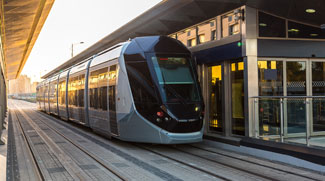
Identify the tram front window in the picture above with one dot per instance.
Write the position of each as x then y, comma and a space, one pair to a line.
176, 79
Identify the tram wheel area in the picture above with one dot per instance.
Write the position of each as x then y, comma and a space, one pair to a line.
45, 148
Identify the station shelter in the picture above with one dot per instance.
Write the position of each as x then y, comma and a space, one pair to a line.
262, 75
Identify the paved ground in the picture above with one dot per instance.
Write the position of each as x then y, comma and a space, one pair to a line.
41, 147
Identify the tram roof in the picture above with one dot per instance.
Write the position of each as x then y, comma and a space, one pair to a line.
170, 16
21, 23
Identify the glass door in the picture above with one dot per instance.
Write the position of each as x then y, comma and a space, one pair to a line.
296, 85
318, 89
237, 97
215, 98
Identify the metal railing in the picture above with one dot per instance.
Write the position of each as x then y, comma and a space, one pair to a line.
289, 118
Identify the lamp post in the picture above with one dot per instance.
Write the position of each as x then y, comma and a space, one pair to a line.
73, 45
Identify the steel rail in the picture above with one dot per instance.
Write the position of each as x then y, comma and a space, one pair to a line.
182, 162
86, 152
30, 149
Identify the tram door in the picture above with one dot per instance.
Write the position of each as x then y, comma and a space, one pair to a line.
112, 75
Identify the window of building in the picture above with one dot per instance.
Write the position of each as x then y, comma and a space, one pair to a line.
191, 42
271, 26
234, 29
213, 35
229, 25
297, 30
201, 38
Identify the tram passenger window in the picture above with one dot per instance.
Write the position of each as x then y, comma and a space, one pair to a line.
93, 89
112, 87
96, 98
81, 89
141, 84
103, 100
81, 98
111, 94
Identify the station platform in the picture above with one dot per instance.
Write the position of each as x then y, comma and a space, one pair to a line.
41, 147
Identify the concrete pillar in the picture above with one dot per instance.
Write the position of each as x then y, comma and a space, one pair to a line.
249, 48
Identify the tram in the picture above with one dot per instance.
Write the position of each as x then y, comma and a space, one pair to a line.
143, 90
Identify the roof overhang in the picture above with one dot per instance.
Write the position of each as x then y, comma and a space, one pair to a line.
21, 23
170, 16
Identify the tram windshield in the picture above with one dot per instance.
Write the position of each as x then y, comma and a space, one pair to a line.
176, 79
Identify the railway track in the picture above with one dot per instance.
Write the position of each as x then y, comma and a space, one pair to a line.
202, 161
73, 143
212, 174
37, 169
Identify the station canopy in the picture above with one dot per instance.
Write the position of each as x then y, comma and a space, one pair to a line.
21, 23
170, 16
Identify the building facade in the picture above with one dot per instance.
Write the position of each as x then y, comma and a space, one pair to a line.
259, 72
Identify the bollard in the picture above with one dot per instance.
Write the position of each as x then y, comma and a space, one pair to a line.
307, 121
281, 119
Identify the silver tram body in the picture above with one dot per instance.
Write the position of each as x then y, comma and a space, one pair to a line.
143, 90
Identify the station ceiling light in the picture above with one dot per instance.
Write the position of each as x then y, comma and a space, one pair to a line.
263, 24
293, 30
311, 11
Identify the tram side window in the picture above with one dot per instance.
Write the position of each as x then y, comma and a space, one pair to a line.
104, 98
72, 91
93, 90
62, 92
102, 88
112, 86
141, 84
81, 90
55, 91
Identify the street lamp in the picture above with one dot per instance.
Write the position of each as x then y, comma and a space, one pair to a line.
73, 45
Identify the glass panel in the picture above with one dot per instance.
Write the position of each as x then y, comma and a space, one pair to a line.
237, 98
318, 89
176, 79
93, 90
296, 86
271, 26
62, 87
297, 30
216, 121
270, 78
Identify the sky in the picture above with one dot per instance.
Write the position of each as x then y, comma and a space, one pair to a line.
74, 21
